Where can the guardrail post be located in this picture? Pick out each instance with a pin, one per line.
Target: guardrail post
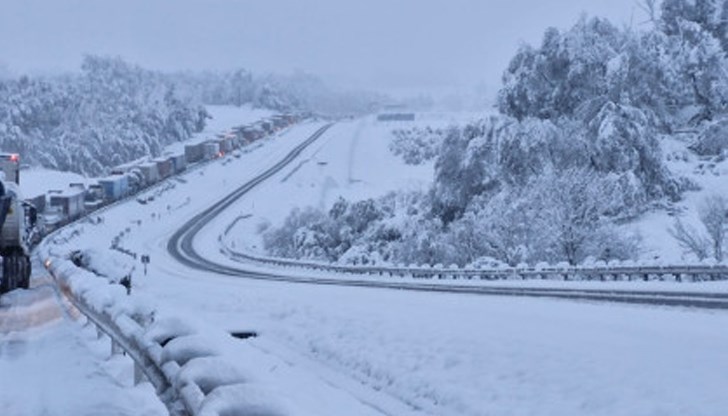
(99, 332)
(115, 348)
(138, 374)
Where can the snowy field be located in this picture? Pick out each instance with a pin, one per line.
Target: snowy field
(328, 350)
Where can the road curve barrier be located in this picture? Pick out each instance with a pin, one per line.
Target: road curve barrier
(600, 271)
(193, 369)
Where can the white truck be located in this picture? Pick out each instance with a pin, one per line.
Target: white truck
(17, 223)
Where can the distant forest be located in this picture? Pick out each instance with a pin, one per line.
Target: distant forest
(113, 112)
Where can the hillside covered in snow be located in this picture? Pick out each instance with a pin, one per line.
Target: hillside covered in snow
(592, 127)
(113, 112)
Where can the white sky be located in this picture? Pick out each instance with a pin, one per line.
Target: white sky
(383, 44)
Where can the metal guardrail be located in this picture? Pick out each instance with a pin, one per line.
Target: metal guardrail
(183, 366)
(679, 273)
(122, 341)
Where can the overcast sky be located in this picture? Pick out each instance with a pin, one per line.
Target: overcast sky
(383, 44)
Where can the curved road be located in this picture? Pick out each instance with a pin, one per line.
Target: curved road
(180, 246)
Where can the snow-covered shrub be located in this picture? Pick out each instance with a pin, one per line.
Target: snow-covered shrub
(302, 235)
(416, 145)
(713, 140)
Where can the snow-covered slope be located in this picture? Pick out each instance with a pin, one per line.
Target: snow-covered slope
(712, 177)
(353, 161)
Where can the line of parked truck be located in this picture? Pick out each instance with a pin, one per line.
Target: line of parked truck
(59, 207)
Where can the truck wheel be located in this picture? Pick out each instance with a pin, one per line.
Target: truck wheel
(9, 274)
(4, 283)
(25, 282)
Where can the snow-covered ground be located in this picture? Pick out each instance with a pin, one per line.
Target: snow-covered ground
(658, 243)
(369, 351)
(50, 364)
(352, 161)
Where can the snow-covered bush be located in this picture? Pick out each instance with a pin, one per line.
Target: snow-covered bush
(303, 235)
(416, 145)
(713, 140)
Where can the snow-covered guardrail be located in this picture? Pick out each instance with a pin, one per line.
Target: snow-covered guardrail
(600, 271)
(191, 367)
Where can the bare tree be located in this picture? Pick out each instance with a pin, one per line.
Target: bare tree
(690, 239)
(649, 7)
(713, 214)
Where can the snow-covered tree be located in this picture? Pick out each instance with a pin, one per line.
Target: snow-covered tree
(111, 113)
(713, 139)
(416, 145)
(568, 70)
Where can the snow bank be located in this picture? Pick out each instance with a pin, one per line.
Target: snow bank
(196, 361)
(241, 399)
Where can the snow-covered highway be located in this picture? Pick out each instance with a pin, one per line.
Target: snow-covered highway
(332, 349)
(326, 348)
(237, 210)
